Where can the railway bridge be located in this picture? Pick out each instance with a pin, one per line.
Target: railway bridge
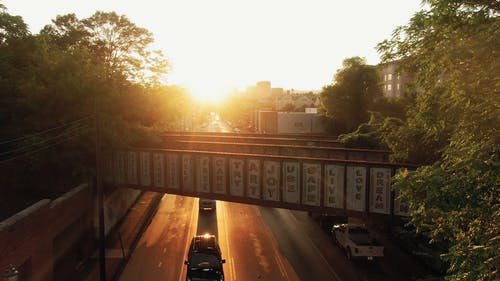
(312, 174)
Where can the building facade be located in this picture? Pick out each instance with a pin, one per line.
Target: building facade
(393, 81)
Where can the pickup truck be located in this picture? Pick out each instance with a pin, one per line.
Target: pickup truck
(356, 241)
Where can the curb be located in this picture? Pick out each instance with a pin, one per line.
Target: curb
(150, 213)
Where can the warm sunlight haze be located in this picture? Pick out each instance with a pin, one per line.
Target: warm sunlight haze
(215, 46)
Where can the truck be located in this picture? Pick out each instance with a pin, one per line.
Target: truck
(356, 241)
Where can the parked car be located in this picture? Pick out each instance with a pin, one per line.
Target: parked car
(326, 222)
(204, 259)
(356, 241)
(207, 204)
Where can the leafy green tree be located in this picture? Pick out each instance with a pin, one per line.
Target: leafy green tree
(354, 93)
(451, 48)
(59, 78)
(124, 48)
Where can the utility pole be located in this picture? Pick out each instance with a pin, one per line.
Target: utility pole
(100, 196)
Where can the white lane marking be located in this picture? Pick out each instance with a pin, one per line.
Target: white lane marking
(281, 266)
(159, 264)
(322, 257)
(274, 244)
(231, 268)
(226, 238)
(164, 250)
(193, 222)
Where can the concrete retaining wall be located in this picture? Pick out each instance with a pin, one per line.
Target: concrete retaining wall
(50, 239)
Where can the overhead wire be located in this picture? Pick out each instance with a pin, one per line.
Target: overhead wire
(38, 150)
(71, 130)
(48, 130)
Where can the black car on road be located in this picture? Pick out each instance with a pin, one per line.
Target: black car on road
(204, 260)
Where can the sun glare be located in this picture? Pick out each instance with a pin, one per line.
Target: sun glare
(208, 92)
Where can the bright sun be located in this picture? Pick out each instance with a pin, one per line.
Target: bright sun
(208, 92)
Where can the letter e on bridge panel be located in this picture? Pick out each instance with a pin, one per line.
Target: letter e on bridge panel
(380, 190)
(253, 179)
(203, 174)
(334, 186)
(236, 184)
(158, 169)
(271, 180)
(187, 173)
(356, 188)
(291, 182)
(219, 175)
(311, 187)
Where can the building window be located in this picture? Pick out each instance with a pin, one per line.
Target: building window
(389, 87)
(399, 76)
(389, 76)
(385, 77)
(397, 86)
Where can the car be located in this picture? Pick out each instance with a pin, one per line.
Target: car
(356, 241)
(204, 259)
(327, 221)
(207, 204)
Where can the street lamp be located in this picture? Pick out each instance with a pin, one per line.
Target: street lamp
(10, 274)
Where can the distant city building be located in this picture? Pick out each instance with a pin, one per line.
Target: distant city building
(277, 92)
(263, 88)
(274, 122)
(297, 102)
(394, 82)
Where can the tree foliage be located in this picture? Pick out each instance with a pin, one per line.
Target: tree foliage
(451, 48)
(53, 83)
(355, 91)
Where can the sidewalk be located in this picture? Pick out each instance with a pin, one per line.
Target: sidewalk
(122, 240)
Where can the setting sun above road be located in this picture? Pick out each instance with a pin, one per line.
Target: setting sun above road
(215, 46)
(207, 91)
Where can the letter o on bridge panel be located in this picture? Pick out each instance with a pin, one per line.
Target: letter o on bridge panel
(253, 179)
(380, 190)
(219, 175)
(311, 187)
(158, 170)
(356, 188)
(236, 176)
(271, 180)
(132, 168)
(334, 186)
(291, 181)
(145, 168)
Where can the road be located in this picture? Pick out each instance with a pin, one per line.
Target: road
(250, 250)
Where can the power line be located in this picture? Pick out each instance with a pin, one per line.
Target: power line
(45, 140)
(48, 130)
(57, 142)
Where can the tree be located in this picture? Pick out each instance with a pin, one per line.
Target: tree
(355, 91)
(451, 48)
(114, 40)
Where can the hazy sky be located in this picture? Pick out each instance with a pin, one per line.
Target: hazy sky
(219, 44)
